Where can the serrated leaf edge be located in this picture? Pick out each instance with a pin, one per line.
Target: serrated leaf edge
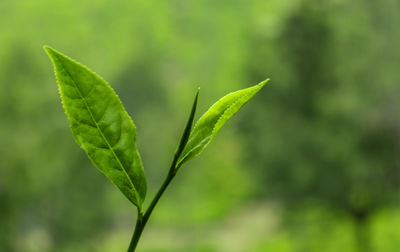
(138, 197)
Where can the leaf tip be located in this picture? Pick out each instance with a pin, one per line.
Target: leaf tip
(53, 53)
(48, 49)
(263, 83)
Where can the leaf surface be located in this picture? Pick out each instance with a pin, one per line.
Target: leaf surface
(210, 122)
(100, 125)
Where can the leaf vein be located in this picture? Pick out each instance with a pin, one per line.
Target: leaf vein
(101, 133)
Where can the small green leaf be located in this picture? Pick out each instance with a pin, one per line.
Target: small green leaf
(100, 125)
(209, 123)
(188, 128)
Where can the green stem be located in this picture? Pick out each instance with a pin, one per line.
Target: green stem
(138, 231)
(142, 219)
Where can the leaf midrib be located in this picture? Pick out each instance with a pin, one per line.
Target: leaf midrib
(102, 135)
(229, 107)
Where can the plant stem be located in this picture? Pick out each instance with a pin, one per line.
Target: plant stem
(142, 219)
(137, 232)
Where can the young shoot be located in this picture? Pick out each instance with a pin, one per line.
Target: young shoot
(105, 131)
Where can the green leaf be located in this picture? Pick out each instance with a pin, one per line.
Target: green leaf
(100, 125)
(209, 123)
(188, 129)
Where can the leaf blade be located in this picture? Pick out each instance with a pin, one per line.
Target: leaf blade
(100, 125)
(188, 127)
(210, 122)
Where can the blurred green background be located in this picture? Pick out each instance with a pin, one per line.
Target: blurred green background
(310, 164)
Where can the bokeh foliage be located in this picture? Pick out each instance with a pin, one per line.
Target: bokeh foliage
(311, 165)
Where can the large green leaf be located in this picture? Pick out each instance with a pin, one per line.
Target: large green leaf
(100, 125)
(209, 123)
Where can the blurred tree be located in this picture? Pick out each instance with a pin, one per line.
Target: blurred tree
(321, 141)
